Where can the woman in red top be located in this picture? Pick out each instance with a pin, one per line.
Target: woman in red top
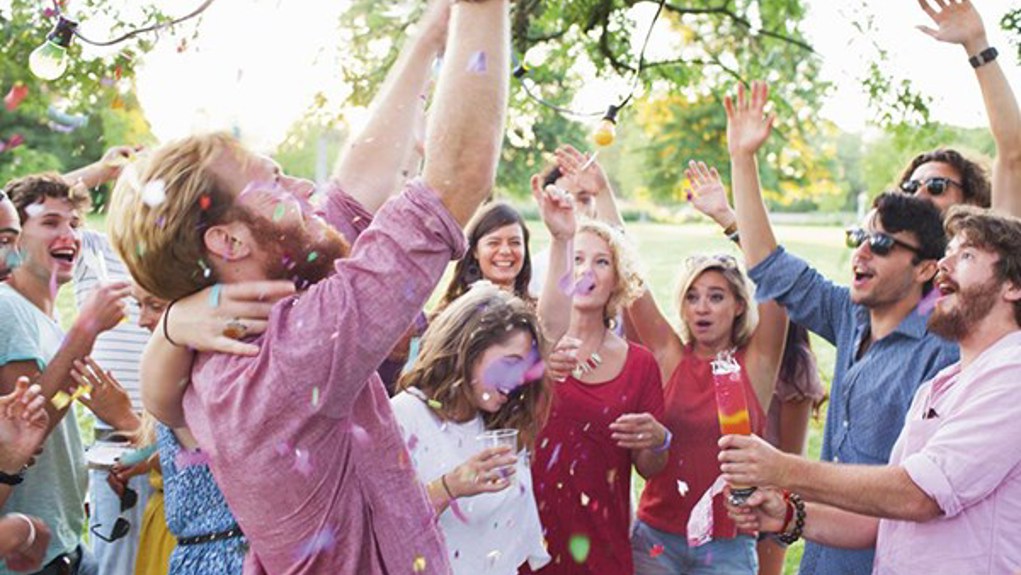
(605, 413)
(718, 313)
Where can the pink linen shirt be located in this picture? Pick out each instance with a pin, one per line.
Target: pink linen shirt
(301, 437)
(961, 444)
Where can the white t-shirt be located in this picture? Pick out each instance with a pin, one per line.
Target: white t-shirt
(487, 533)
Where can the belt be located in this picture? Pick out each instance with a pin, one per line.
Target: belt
(63, 564)
(234, 531)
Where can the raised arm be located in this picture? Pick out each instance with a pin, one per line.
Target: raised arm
(466, 121)
(557, 212)
(371, 167)
(591, 177)
(747, 130)
(765, 349)
(960, 23)
(105, 170)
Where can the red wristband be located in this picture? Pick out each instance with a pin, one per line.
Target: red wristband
(790, 511)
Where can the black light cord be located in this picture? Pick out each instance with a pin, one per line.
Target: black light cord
(133, 33)
(522, 71)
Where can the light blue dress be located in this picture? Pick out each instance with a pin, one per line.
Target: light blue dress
(195, 506)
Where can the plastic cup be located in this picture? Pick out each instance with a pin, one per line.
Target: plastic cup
(496, 438)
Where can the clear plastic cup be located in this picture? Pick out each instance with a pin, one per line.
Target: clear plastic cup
(496, 438)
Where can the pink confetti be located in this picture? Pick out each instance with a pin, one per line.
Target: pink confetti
(303, 462)
(323, 540)
(412, 442)
(188, 458)
(553, 458)
(456, 510)
(477, 63)
(15, 96)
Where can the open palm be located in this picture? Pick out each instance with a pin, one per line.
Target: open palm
(747, 125)
(957, 22)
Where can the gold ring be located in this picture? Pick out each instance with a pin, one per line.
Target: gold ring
(235, 329)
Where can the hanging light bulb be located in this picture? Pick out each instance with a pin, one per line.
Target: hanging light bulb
(49, 61)
(607, 130)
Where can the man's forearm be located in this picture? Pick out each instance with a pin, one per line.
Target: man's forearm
(466, 122)
(838, 528)
(874, 490)
(57, 375)
(165, 371)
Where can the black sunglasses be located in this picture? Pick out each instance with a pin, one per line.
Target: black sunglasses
(121, 527)
(879, 243)
(936, 186)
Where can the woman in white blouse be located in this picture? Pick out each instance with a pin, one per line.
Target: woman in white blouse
(480, 368)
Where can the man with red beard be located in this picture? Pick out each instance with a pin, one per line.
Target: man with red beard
(300, 436)
(950, 499)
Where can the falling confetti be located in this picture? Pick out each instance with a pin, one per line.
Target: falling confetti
(279, 212)
(312, 256)
(154, 193)
(434, 404)
(656, 550)
(579, 546)
(418, 565)
(682, 487)
(455, 508)
(477, 63)
(315, 396)
(584, 500)
(323, 540)
(191, 458)
(302, 462)
(553, 458)
(13, 99)
(204, 202)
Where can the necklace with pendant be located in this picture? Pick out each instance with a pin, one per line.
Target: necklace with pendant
(591, 363)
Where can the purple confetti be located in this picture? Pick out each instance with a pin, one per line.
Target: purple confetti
(477, 63)
(456, 510)
(584, 284)
(412, 442)
(553, 458)
(928, 302)
(323, 540)
(507, 374)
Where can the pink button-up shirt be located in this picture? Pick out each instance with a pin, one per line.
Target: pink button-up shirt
(961, 444)
(301, 437)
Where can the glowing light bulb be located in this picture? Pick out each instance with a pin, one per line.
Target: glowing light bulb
(49, 61)
(606, 133)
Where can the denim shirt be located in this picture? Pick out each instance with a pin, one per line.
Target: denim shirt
(869, 396)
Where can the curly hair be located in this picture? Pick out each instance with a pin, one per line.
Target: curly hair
(974, 181)
(467, 271)
(452, 347)
(29, 190)
(997, 233)
(630, 284)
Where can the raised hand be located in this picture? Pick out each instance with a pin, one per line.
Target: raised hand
(487, 471)
(638, 431)
(23, 425)
(104, 308)
(587, 173)
(747, 125)
(957, 22)
(106, 397)
(556, 208)
(208, 320)
(707, 193)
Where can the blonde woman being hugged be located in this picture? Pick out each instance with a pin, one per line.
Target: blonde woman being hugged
(479, 375)
(604, 417)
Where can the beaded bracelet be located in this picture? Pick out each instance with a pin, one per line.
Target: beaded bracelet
(789, 537)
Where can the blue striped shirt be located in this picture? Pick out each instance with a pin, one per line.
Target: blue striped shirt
(869, 396)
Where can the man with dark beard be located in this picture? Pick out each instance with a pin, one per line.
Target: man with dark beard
(300, 436)
(950, 499)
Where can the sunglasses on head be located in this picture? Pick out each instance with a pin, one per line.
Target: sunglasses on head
(121, 527)
(723, 260)
(879, 243)
(936, 186)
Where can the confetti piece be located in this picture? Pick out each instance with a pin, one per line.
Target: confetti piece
(279, 212)
(302, 462)
(323, 540)
(13, 99)
(493, 557)
(477, 63)
(315, 396)
(191, 458)
(455, 508)
(412, 442)
(154, 193)
(682, 487)
(656, 550)
(434, 404)
(928, 302)
(204, 202)
(60, 400)
(584, 500)
(63, 118)
(312, 256)
(418, 565)
(553, 458)
(579, 546)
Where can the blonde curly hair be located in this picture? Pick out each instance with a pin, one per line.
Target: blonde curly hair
(630, 284)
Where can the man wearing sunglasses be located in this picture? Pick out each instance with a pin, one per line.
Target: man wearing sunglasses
(884, 351)
(944, 176)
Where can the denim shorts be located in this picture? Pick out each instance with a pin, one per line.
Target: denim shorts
(659, 553)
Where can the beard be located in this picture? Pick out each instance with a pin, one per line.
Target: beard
(298, 253)
(973, 305)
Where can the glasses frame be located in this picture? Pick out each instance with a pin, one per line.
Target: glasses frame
(880, 243)
(941, 185)
(122, 526)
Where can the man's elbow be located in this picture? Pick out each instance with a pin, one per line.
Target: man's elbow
(920, 508)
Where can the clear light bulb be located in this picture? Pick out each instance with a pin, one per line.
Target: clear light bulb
(48, 61)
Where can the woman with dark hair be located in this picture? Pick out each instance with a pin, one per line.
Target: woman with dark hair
(497, 252)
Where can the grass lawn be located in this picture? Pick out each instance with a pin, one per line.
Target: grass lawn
(662, 249)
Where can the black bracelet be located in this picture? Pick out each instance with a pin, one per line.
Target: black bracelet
(793, 535)
(166, 320)
(443, 480)
(983, 57)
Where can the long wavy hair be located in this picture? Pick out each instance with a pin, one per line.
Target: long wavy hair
(454, 343)
(468, 271)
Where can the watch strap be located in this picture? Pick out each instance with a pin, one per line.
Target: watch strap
(16, 479)
(983, 57)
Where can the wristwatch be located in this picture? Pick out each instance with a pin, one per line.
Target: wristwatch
(16, 479)
(983, 57)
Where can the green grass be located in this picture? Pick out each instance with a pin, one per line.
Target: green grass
(662, 248)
